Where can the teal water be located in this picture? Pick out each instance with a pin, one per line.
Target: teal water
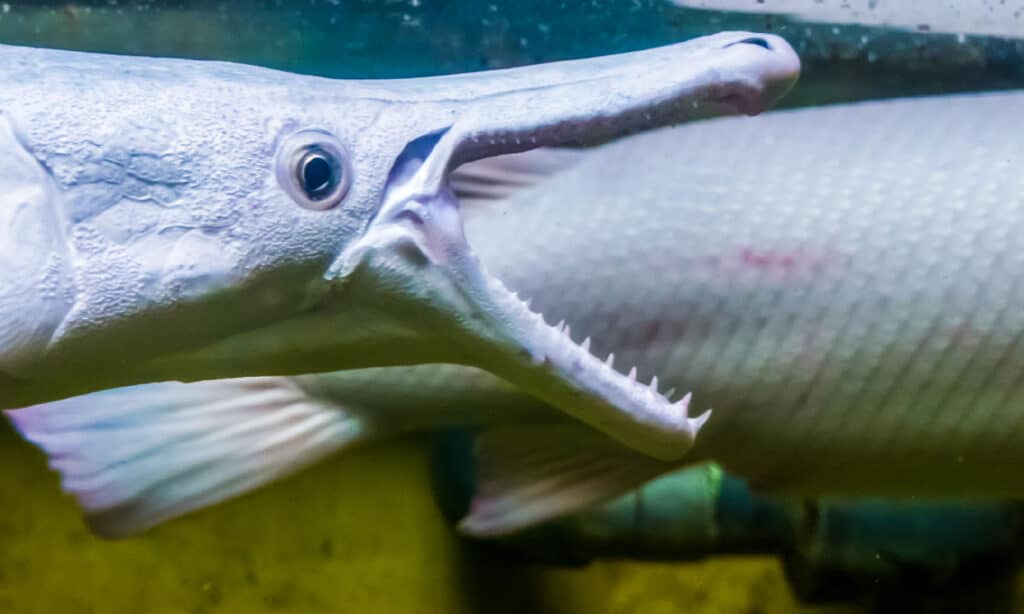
(392, 38)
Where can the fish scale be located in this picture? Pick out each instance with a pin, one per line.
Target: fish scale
(831, 322)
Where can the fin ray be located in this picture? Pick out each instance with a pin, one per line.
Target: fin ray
(529, 474)
(135, 457)
(498, 177)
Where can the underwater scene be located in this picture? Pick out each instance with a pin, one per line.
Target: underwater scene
(453, 306)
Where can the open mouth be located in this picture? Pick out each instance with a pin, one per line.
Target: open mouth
(415, 259)
(425, 275)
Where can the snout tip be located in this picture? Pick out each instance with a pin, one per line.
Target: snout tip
(773, 64)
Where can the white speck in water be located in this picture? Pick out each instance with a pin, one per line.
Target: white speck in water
(5, 7)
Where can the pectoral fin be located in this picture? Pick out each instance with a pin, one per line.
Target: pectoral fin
(135, 457)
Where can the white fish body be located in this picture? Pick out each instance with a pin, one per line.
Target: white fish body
(976, 17)
(839, 284)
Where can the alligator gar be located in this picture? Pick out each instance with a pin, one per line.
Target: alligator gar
(179, 220)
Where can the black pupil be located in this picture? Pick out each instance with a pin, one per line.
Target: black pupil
(317, 174)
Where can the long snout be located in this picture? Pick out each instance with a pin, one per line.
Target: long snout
(589, 101)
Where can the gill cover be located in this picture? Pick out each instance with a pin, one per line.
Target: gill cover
(35, 278)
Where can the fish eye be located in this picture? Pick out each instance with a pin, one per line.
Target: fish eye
(313, 168)
(317, 173)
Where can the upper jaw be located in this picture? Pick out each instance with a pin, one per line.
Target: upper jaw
(412, 265)
(590, 101)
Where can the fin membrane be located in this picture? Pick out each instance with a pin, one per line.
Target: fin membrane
(498, 177)
(134, 457)
(531, 474)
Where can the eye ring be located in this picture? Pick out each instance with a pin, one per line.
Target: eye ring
(314, 169)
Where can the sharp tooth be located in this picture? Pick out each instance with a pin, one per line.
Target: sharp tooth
(654, 384)
(610, 361)
(671, 393)
(684, 403)
(560, 325)
(632, 375)
(529, 304)
(568, 332)
(586, 345)
(698, 422)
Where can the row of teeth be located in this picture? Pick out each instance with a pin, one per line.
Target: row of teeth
(680, 407)
(609, 362)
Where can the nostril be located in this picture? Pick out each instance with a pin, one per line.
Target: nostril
(753, 40)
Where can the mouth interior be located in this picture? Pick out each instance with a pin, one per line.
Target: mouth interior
(545, 359)
(419, 259)
(500, 332)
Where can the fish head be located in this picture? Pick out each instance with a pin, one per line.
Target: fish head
(266, 223)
